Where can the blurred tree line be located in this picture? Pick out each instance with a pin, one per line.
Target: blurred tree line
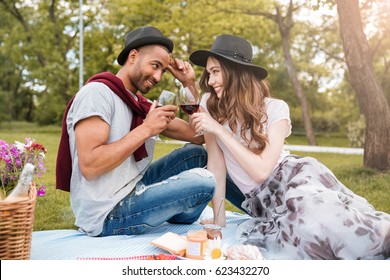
(298, 42)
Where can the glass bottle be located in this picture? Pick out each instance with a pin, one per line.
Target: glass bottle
(22, 187)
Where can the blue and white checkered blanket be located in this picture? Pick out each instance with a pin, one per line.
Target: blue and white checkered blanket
(73, 245)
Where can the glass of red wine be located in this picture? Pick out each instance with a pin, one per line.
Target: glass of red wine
(188, 102)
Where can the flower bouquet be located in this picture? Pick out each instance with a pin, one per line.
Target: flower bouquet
(13, 158)
(17, 216)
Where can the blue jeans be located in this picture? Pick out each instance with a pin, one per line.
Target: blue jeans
(176, 188)
(234, 195)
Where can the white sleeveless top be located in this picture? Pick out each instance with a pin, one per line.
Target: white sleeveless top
(276, 110)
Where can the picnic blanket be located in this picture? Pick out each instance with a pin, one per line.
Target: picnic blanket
(71, 244)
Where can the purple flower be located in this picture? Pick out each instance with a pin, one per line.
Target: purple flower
(13, 157)
(41, 191)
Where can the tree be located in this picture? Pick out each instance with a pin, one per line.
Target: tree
(371, 98)
(11, 83)
(40, 39)
(283, 18)
(285, 23)
(376, 15)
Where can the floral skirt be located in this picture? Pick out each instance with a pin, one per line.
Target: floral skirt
(304, 212)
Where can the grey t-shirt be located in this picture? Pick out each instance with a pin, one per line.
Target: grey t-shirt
(91, 201)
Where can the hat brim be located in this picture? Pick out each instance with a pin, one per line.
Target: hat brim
(150, 40)
(200, 58)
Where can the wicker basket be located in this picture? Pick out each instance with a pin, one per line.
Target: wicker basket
(16, 225)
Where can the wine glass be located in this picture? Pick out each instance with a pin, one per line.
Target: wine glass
(166, 98)
(189, 103)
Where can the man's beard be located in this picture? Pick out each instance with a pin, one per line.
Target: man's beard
(139, 80)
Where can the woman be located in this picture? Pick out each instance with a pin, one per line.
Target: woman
(300, 209)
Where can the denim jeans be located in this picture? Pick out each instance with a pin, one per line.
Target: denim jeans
(233, 194)
(176, 188)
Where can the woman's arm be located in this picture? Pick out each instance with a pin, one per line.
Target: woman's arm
(216, 165)
(258, 167)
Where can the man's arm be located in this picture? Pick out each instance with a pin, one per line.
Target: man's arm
(181, 130)
(97, 157)
(183, 71)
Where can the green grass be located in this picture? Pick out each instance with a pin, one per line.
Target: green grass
(53, 211)
(334, 140)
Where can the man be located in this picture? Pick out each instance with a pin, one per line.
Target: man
(110, 129)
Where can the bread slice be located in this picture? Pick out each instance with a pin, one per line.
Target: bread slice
(171, 242)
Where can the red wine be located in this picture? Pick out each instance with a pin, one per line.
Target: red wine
(190, 108)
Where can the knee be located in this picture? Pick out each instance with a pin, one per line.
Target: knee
(206, 179)
(195, 149)
(203, 173)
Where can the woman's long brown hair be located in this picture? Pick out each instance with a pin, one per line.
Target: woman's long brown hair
(242, 101)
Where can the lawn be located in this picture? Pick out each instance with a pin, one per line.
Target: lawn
(53, 211)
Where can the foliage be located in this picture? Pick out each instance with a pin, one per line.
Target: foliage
(39, 50)
(40, 75)
(377, 14)
(13, 158)
(356, 131)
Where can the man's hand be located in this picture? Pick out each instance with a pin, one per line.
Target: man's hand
(183, 71)
(158, 118)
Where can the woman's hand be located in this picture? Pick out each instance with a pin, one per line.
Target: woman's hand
(203, 122)
(207, 221)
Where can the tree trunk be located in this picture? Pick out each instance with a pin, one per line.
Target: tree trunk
(292, 73)
(371, 98)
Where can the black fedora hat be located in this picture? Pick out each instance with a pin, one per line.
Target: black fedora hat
(232, 48)
(146, 35)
